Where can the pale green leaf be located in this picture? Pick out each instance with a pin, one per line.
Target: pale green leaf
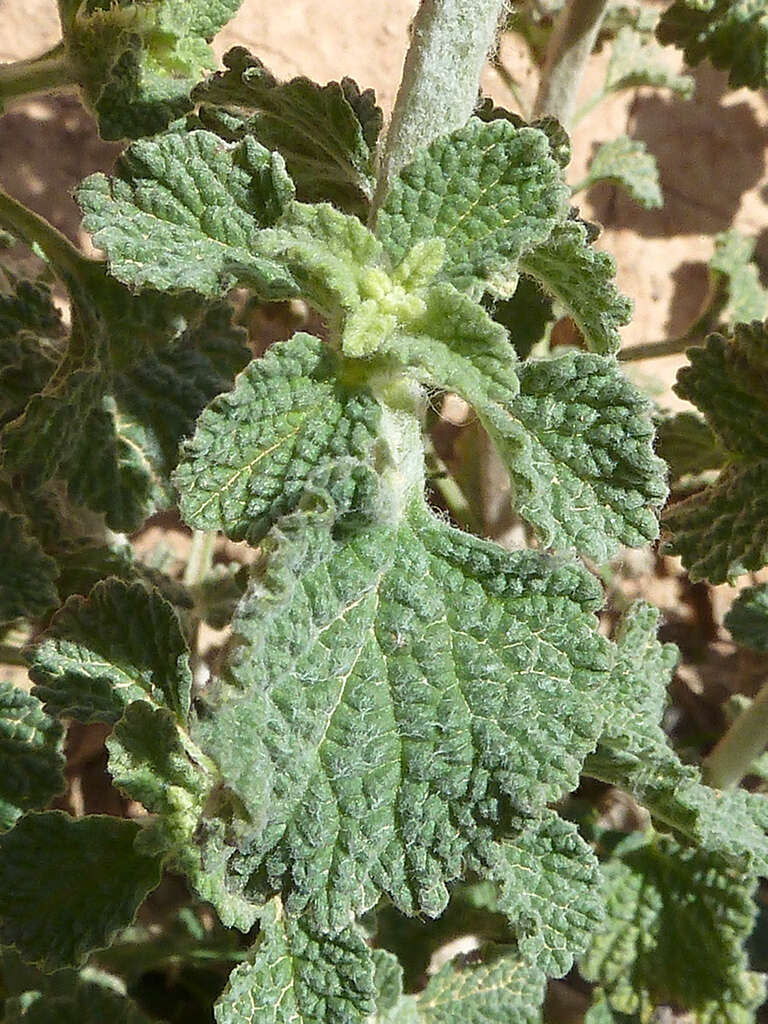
(722, 531)
(732, 34)
(138, 61)
(186, 211)
(289, 417)
(489, 191)
(574, 434)
(581, 279)
(121, 643)
(68, 885)
(634, 754)
(626, 162)
(747, 618)
(502, 988)
(687, 445)
(28, 580)
(296, 976)
(31, 763)
(326, 134)
(636, 61)
(675, 932)
(394, 690)
(732, 262)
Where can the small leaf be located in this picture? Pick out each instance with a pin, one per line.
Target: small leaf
(296, 976)
(747, 618)
(732, 34)
(290, 416)
(28, 581)
(687, 445)
(489, 191)
(670, 908)
(186, 211)
(626, 162)
(392, 688)
(326, 134)
(732, 262)
(581, 279)
(121, 643)
(636, 61)
(31, 763)
(722, 531)
(68, 885)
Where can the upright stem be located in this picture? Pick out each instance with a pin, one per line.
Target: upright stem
(34, 230)
(50, 71)
(441, 75)
(572, 42)
(746, 739)
(200, 557)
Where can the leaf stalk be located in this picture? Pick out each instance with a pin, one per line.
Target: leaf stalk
(47, 73)
(34, 230)
(571, 44)
(727, 764)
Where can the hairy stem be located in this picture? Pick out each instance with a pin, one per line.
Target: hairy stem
(34, 230)
(451, 493)
(653, 349)
(46, 73)
(572, 42)
(441, 74)
(200, 557)
(747, 738)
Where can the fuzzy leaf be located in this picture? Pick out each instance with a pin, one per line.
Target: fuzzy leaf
(636, 61)
(502, 988)
(581, 279)
(574, 433)
(186, 211)
(28, 581)
(732, 262)
(489, 191)
(31, 763)
(137, 62)
(326, 134)
(626, 162)
(289, 417)
(68, 885)
(669, 908)
(394, 690)
(149, 763)
(732, 34)
(294, 976)
(634, 754)
(687, 445)
(747, 618)
(28, 307)
(722, 531)
(121, 643)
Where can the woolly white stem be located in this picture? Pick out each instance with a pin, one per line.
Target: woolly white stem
(572, 42)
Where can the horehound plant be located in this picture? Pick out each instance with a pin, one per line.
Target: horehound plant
(383, 761)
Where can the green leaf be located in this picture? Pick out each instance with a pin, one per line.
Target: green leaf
(27, 307)
(290, 416)
(395, 689)
(89, 996)
(548, 887)
(151, 761)
(137, 62)
(295, 976)
(636, 61)
(503, 988)
(747, 618)
(732, 263)
(634, 754)
(574, 434)
(326, 134)
(581, 280)
(732, 34)
(687, 445)
(489, 191)
(68, 885)
(31, 763)
(121, 643)
(668, 909)
(626, 162)
(722, 531)
(186, 211)
(28, 581)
